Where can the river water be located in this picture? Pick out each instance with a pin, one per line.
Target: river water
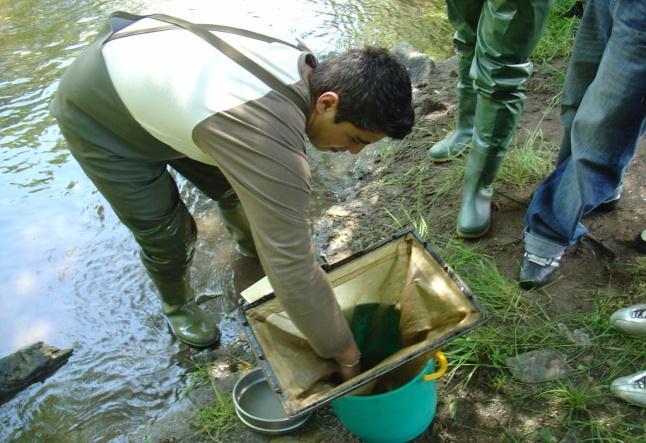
(69, 272)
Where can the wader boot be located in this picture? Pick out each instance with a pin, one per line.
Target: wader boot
(504, 34)
(495, 123)
(236, 222)
(457, 141)
(475, 211)
(188, 322)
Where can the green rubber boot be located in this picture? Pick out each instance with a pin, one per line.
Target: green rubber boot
(475, 211)
(188, 322)
(495, 123)
(236, 222)
(457, 141)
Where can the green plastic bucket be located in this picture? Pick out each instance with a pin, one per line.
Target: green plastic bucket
(396, 416)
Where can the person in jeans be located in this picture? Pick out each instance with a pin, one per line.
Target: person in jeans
(230, 110)
(603, 108)
(494, 39)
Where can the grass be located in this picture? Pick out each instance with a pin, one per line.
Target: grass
(556, 41)
(529, 158)
(610, 429)
(216, 420)
(635, 271)
(575, 399)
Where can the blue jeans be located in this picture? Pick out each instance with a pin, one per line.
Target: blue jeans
(604, 114)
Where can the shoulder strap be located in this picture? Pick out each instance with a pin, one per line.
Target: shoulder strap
(203, 31)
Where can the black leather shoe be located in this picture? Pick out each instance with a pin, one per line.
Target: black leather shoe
(608, 205)
(536, 272)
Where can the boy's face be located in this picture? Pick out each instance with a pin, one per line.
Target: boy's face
(326, 135)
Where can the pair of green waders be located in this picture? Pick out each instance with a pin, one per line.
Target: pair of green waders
(494, 39)
(130, 168)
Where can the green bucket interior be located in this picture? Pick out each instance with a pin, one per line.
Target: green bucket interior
(375, 327)
(392, 417)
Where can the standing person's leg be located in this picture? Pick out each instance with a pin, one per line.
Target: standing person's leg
(604, 136)
(210, 180)
(591, 39)
(507, 33)
(464, 16)
(145, 198)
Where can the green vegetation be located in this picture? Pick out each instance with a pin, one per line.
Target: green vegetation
(528, 161)
(530, 156)
(556, 42)
(219, 418)
(636, 270)
(216, 419)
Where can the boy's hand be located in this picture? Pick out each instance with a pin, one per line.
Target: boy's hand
(349, 362)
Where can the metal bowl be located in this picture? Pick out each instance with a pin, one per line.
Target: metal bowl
(259, 408)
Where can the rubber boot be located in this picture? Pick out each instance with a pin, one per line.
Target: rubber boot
(457, 141)
(474, 218)
(188, 322)
(236, 222)
(495, 123)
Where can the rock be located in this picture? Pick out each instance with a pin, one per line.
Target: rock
(29, 365)
(579, 337)
(418, 64)
(538, 366)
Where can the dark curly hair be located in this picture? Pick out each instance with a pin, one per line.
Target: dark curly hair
(374, 90)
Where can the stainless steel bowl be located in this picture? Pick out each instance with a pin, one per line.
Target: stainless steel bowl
(259, 408)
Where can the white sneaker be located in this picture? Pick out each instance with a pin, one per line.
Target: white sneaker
(631, 320)
(631, 388)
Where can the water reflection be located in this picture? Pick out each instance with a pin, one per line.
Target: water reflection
(69, 271)
(422, 23)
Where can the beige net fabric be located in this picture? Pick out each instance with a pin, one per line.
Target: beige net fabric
(402, 273)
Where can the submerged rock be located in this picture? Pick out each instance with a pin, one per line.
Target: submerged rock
(29, 365)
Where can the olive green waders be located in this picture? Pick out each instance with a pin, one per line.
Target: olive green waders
(499, 35)
(454, 144)
(130, 169)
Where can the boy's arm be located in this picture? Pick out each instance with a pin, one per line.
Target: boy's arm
(259, 146)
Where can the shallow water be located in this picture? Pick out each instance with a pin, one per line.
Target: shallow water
(69, 272)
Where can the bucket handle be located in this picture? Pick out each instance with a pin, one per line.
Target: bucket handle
(444, 364)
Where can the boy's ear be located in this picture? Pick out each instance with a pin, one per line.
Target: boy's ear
(327, 100)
